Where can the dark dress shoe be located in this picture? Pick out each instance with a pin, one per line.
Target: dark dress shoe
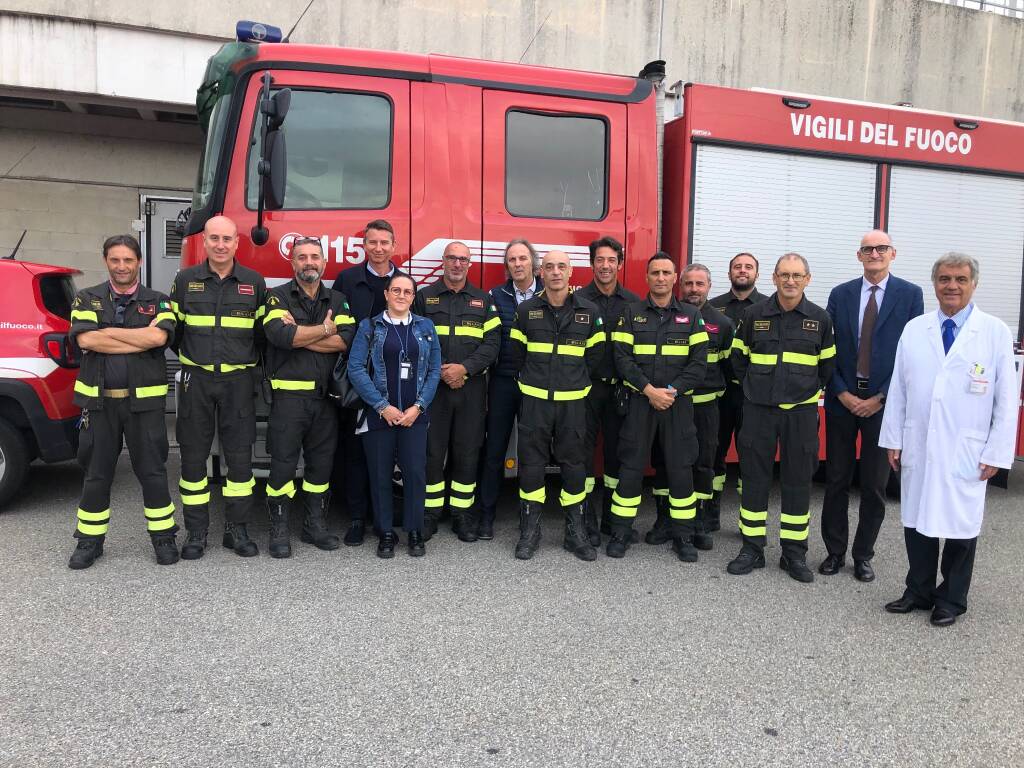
(943, 617)
(862, 570)
(905, 605)
(386, 545)
(416, 547)
(830, 565)
(485, 530)
(797, 569)
(355, 534)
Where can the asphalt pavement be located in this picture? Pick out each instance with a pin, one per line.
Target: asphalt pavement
(468, 657)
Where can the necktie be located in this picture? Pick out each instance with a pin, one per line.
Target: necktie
(867, 328)
(947, 334)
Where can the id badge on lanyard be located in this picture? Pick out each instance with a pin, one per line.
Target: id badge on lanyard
(404, 368)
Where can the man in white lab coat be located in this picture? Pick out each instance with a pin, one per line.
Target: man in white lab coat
(950, 422)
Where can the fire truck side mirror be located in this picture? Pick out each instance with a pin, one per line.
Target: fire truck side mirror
(273, 163)
(278, 108)
(274, 170)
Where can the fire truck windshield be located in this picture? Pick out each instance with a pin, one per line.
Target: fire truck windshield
(211, 153)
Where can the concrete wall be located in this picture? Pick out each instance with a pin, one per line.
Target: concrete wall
(934, 55)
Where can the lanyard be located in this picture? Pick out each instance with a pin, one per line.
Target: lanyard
(404, 344)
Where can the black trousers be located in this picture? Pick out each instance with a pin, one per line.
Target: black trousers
(730, 421)
(841, 429)
(226, 405)
(674, 431)
(102, 434)
(503, 400)
(552, 430)
(956, 566)
(603, 419)
(296, 423)
(409, 446)
(794, 432)
(456, 431)
(705, 419)
(351, 476)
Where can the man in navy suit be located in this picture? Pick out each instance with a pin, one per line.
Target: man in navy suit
(868, 315)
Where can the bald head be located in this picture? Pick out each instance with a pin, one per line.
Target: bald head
(220, 240)
(556, 270)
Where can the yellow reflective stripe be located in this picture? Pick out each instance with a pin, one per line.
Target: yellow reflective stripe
(738, 345)
(675, 350)
(526, 389)
(747, 514)
(465, 330)
(288, 489)
(827, 352)
(785, 533)
(714, 357)
(186, 361)
(589, 485)
(622, 337)
(718, 484)
(295, 386)
(206, 321)
(597, 338)
(753, 531)
(707, 397)
(540, 346)
(84, 314)
(190, 485)
(84, 389)
(158, 512)
(274, 314)
(158, 390)
(344, 320)
(538, 495)
(570, 394)
(434, 502)
(261, 311)
(309, 487)
(611, 482)
(93, 530)
(517, 335)
(175, 308)
(442, 330)
(799, 359)
(758, 358)
(571, 351)
(94, 517)
(435, 487)
(623, 511)
(704, 496)
(628, 501)
(154, 526)
(490, 325)
(814, 399)
(460, 503)
(195, 498)
(231, 488)
(660, 491)
(237, 322)
(165, 316)
(700, 337)
(796, 519)
(676, 513)
(645, 349)
(461, 487)
(688, 501)
(568, 499)
(228, 368)
(557, 395)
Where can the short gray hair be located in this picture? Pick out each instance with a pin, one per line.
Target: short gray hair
(534, 256)
(697, 267)
(956, 259)
(807, 267)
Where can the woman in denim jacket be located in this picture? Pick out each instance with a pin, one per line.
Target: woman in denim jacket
(394, 365)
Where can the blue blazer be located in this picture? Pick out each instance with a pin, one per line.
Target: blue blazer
(903, 301)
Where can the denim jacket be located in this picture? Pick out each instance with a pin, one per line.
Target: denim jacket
(368, 345)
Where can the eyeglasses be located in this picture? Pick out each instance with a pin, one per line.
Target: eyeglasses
(785, 277)
(865, 250)
(305, 240)
(458, 259)
(401, 291)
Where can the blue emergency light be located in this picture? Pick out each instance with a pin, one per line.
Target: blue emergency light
(255, 32)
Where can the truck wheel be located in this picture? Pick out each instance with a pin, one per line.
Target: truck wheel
(13, 461)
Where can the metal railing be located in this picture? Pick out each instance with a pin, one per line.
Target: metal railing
(1011, 8)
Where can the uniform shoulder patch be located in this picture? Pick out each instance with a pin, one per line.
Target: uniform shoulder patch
(476, 303)
(535, 314)
(197, 286)
(273, 300)
(811, 325)
(246, 290)
(582, 317)
(682, 319)
(77, 302)
(432, 300)
(762, 325)
(711, 328)
(147, 309)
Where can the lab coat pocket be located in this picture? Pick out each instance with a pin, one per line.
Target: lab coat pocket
(969, 446)
(911, 449)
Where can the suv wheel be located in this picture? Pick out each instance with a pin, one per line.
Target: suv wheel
(13, 460)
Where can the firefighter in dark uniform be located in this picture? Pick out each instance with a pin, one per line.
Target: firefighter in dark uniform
(606, 258)
(696, 282)
(743, 271)
(661, 354)
(783, 355)
(555, 344)
(219, 304)
(469, 329)
(122, 328)
(307, 325)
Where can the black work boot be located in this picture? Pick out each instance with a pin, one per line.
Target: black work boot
(468, 525)
(356, 533)
(701, 538)
(592, 517)
(622, 537)
(194, 546)
(796, 566)
(529, 529)
(661, 531)
(166, 548)
(430, 521)
(745, 562)
(237, 539)
(713, 512)
(86, 553)
(314, 525)
(576, 539)
(682, 541)
(280, 544)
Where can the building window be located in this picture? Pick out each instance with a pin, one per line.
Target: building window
(339, 152)
(556, 165)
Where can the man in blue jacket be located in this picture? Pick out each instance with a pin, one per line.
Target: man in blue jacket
(868, 315)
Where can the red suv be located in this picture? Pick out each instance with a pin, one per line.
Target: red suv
(38, 369)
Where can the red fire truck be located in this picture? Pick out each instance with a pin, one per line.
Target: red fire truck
(449, 148)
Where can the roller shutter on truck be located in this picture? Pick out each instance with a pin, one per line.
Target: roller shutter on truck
(935, 211)
(771, 203)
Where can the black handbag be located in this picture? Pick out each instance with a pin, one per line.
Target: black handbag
(340, 388)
